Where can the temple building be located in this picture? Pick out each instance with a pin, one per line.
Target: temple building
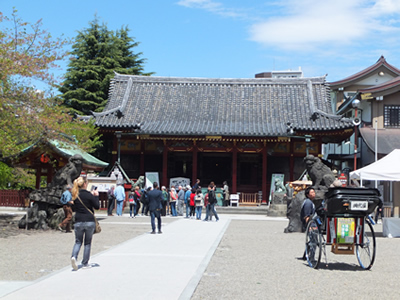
(236, 130)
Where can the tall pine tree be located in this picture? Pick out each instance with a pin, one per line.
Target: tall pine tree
(96, 54)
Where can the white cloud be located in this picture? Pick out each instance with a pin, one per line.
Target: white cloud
(308, 24)
(211, 6)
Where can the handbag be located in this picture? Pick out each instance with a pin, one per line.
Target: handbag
(97, 228)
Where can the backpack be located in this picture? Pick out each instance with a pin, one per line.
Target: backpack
(143, 198)
(63, 199)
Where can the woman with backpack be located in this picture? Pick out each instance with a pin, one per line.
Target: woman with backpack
(199, 202)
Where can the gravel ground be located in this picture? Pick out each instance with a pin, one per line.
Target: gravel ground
(255, 260)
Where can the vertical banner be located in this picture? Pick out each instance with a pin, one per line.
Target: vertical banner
(150, 178)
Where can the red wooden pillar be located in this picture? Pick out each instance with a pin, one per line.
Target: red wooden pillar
(264, 175)
(142, 158)
(234, 169)
(194, 163)
(165, 166)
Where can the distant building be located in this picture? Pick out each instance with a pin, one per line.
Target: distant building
(281, 74)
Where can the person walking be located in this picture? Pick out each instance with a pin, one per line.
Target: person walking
(119, 194)
(173, 197)
(155, 205)
(111, 200)
(199, 202)
(66, 201)
(181, 201)
(85, 203)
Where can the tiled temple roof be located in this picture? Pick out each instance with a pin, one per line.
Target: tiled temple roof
(227, 107)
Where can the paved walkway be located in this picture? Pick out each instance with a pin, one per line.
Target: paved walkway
(161, 266)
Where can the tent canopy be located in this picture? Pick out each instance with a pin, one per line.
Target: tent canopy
(387, 168)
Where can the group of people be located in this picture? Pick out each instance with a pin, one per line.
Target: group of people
(181, 201)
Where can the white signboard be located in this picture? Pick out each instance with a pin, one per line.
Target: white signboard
(103, 184)
(150, 178)
(177, 181)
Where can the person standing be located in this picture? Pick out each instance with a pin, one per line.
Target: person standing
(165, 201)
(119, 194)
(197, 184)
(212, 199)
(173, 197)
(181, 201)
(206, 205)
(131, 198)
(66, 201)
(199, 202)
(85, 203)
(155, 205)
(187, 199)
(192, 203)
(308, 207)
(379, 210)
(136, 197)
(225, 192)
(111, 200)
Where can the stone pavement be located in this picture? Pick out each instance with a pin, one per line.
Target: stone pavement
(160, 266)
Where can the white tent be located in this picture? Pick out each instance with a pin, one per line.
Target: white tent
(387, 168)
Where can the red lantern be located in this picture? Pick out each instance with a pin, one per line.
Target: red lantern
(44, 158)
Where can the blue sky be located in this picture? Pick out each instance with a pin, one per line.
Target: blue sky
(236, 39)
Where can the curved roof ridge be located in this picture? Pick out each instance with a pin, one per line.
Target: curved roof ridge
(381, 62)
(383, 86)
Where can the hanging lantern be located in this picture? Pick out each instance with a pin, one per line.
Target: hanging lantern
(44, 158)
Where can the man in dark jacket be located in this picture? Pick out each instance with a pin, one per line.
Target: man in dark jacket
(155, 198)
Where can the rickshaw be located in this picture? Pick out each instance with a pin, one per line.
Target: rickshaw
(342, 220)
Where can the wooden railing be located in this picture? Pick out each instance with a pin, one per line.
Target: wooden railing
(249, 199)
(14, 198)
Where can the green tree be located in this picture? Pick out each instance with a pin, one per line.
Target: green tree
(27, 53)
(96, 54)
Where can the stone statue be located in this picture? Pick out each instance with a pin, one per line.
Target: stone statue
(322, 178)
(139, 182)
(318, 172)
(67, 174)
(47, 200)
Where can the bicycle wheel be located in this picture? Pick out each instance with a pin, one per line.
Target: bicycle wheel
(313, 244)
(366, 251)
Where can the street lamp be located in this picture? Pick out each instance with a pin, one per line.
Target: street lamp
(356, 122)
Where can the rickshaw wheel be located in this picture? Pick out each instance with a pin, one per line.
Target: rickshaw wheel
(313, 244)
(366, 251)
